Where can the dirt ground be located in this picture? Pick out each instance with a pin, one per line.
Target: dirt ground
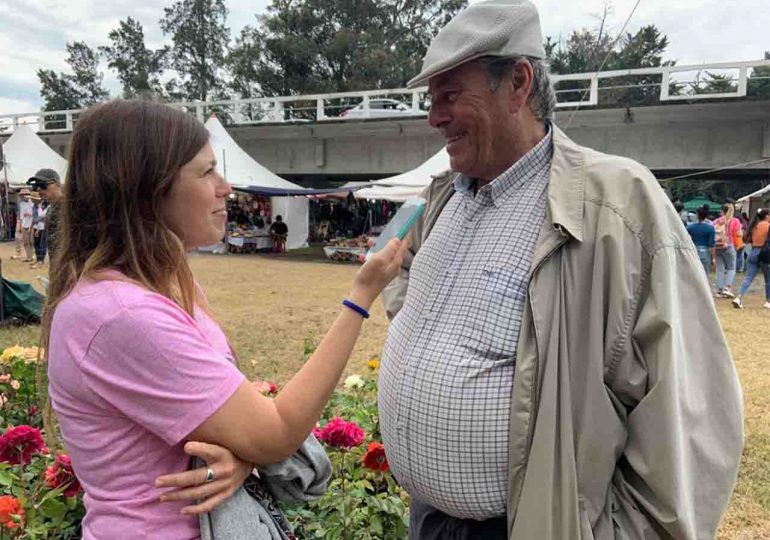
(275, 308)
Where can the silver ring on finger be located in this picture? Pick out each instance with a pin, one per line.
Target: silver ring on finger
(209, 475)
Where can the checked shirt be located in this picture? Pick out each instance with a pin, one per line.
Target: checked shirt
(448, 363)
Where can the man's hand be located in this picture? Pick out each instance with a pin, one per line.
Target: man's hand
(229, 473)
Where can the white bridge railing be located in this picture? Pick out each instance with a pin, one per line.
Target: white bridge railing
(652, 85)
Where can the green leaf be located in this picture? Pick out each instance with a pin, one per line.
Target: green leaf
(6, 478)
(54, 509)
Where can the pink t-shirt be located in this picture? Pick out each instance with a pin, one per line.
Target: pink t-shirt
(131, 375)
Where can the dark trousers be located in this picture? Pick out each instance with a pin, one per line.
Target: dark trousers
(428, 523)
(41, 245)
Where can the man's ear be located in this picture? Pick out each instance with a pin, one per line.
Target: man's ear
(521, 78)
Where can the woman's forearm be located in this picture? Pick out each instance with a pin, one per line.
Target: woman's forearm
(303, 399)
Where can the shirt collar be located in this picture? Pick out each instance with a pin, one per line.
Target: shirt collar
(536, 160)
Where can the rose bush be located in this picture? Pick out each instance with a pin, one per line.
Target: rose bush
(363, 501)
(40, 497)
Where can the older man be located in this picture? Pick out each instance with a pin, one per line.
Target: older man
(543, 376)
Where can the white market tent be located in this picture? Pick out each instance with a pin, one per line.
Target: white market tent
(754, 201)
(25, 154)
(409, 184)
(758, 193)
(243, 171)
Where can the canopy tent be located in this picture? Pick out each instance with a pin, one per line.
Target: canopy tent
(409, 184)
(308, 192)
(389, 193)
(422, 175)
(754, 201)
(763, 193)
(25, 154)
(694, 204)
(246, 174)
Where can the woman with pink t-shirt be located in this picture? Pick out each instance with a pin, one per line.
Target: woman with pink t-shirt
(137, 367)
(727, 227)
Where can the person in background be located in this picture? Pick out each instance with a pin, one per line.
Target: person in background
(279, 232)
(26, 218)
(47, 183)
(683, 214)
(702, 235)
(742, 253)
(41, 239)
(17, 235)
(726, 227)
(757, 234)
(740, 246)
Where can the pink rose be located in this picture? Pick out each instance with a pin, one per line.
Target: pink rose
(341, 434)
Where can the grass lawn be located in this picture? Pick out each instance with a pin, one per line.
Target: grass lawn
(274, 308)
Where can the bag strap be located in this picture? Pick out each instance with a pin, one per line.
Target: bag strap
(256, 489)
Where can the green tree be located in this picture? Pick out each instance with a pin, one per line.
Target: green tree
(58, 91)
(84, 62)
(200, 44)
(715, 83)
(76, 90)
(759, 81)
(138, 68)
(304, 46)
(588, 50)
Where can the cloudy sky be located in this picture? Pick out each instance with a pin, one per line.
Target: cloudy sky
(33, 33)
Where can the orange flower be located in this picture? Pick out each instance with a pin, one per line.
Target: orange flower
(10, 506)
(375, 458)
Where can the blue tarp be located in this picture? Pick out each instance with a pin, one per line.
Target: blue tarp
(277, 192)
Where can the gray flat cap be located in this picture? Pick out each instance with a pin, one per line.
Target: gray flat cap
(501, 28)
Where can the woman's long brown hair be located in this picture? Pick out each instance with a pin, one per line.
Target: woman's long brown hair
(124, 156)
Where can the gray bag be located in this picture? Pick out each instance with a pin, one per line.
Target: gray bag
(251, 513)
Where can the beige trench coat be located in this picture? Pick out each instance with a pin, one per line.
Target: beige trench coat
(626, 417)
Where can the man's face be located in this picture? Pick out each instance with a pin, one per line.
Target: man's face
(50, 192)
(472, 119)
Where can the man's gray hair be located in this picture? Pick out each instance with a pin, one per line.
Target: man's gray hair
(542, 98)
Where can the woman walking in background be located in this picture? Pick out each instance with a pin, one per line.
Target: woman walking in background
(726, 227)
(757, 235)
(740, 243)
(702, 235)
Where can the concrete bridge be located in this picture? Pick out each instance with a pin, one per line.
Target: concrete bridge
(682, 130)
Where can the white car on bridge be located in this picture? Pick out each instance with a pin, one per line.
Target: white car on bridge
(381, 108)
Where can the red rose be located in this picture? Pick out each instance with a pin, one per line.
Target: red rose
(61, 474)
(10, 506)
(375, 458)
(341, 434)
(19, 444)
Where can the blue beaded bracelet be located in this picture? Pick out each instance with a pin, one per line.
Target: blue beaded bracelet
(355, 307)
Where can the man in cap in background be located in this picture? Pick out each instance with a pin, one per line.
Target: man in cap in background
(543, 377)
(48, 183)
